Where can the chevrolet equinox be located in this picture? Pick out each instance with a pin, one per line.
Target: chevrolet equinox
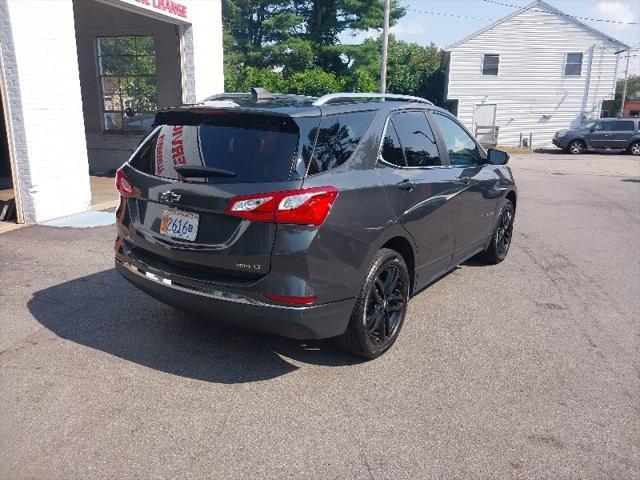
(308, 218)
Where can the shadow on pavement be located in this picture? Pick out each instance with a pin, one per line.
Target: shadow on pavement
(103, 311)
(631, 180)
(558, 151)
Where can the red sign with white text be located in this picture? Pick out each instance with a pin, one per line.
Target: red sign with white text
(168, 6)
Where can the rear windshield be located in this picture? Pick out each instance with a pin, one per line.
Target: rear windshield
(257, 148)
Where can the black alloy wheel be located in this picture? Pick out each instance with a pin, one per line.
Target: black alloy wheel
(380, 308)
(504, 232)
(385, 305)
(502, 235)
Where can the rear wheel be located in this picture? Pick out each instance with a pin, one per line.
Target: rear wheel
(501, 238)
(576, 147)
(634, 148)
(380, 307)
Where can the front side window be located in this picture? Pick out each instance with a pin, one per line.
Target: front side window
(490, 64)
(573, 64)
(127, 70)
(337, 139)
(604, 127)
(416, 138)
(462, 149)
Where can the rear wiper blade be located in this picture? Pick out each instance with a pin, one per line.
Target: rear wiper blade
(200, 171)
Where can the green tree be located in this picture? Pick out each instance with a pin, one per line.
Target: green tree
(296, 35)
(294, 46)
(360, 81)
(314, 82)
(411, 69)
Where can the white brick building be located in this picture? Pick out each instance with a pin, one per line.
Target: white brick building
(79, 81)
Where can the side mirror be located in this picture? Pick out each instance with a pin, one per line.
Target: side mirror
(497, 157)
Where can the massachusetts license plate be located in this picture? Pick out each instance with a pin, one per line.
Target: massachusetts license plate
(178, 224)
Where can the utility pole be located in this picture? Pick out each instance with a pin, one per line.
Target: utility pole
(385, 46)
(624, 89)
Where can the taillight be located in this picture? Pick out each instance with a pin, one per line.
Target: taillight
(124, 185)
(308, 206)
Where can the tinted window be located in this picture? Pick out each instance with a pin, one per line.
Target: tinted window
(573, 64)
(256, 148)
(391, 148)
(461, 147)
(416, 138)
(623, 126)
(490, 64)
(337, 139)
(604, 127)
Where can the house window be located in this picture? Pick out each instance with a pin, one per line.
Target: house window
(573, 64)
(490, 64)
(127, 69)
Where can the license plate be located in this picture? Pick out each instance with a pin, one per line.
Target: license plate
(178, 224)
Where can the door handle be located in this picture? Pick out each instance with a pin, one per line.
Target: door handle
(406, 185)
(463, 181)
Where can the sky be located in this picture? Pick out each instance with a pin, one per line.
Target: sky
(453, 20)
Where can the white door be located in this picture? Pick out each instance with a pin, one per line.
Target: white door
(484, 121)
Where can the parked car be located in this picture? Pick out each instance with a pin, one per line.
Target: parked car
(603, 134)
(308, 218)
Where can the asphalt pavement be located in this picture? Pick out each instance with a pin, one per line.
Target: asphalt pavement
(529, 369)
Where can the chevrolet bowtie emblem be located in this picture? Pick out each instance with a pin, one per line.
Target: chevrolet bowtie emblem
(170, 197)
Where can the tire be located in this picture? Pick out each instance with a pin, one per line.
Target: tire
(634, 148)
(498, 248)
(576, 147)
(380, 308)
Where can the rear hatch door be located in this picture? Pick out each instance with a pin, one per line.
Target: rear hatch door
(186, 172)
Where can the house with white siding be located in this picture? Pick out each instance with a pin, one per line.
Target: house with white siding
(530, 74)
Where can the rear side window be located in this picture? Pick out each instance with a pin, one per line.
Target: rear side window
(623, 126)
(256, 148)
(416, 137)
(337, 138)
(391, 148)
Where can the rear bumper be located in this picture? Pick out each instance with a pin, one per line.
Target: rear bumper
(228, 306)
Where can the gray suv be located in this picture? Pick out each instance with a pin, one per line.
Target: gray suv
(603, 134)
(308, 218)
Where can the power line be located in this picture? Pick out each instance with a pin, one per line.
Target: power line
(617, 22)
(443, 14)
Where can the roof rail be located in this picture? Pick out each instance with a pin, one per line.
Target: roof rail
(331, 97)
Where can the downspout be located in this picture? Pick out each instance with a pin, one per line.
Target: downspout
(587, 86)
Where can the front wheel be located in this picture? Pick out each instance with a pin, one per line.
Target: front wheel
(498, 248)
(380, 307)
(634, 148)
(576, 147)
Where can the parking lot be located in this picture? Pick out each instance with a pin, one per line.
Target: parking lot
(528, 369)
